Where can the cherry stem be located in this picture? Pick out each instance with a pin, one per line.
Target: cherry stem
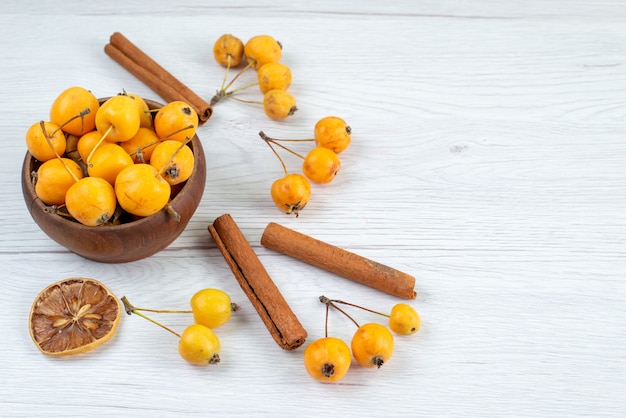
(174, 154)
(233, 306)
(239, 99)
(228, 61)
(237, 76)
(130, 309)
(159, 140)
(218, 96)
(100, 141)
(274, 141)
(360, 307)
(292, 140)
(326, 322)
(49, 141)
(139, 155)
(174, 133)
(56, 211)
(222, 91)
(329, 302)
(172, 213)
(80, 114)
(172, 311)
(237, 90)
(262, 135)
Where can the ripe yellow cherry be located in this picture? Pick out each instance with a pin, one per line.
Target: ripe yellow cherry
(91, 201)
(274, 75)
(107, 161)
(372, 345)
(140, 146)
(174, 160)
(141, 190)
(176, 120)
(145, 116)
(118, 118)
(54, 178)
(87, 142)
(228, 50)
(278, 104)
(261, 49)
(404, 320)
(38, 145)
(211, 307)
(291, 193)
(332, 132)
(327, 359)
(74, 110)
(199, 345)
(321, 165)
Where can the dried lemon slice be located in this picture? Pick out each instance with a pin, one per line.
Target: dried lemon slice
(73, 316)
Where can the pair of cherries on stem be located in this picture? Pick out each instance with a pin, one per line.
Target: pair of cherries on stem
(328, 359)
(198, 343)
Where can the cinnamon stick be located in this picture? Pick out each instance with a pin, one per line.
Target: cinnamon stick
(256, 283)
(339, 261)
(162, 82)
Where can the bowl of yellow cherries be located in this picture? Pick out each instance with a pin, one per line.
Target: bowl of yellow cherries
(113, 179)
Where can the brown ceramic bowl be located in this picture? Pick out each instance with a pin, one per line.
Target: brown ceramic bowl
(134, 240)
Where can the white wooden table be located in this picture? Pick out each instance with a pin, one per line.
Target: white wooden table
(488, 160)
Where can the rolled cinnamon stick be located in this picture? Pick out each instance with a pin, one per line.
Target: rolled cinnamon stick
(161, 81)
(339, 261)
(256, 283)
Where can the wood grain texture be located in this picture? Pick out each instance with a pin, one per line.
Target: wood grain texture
(488, 160)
